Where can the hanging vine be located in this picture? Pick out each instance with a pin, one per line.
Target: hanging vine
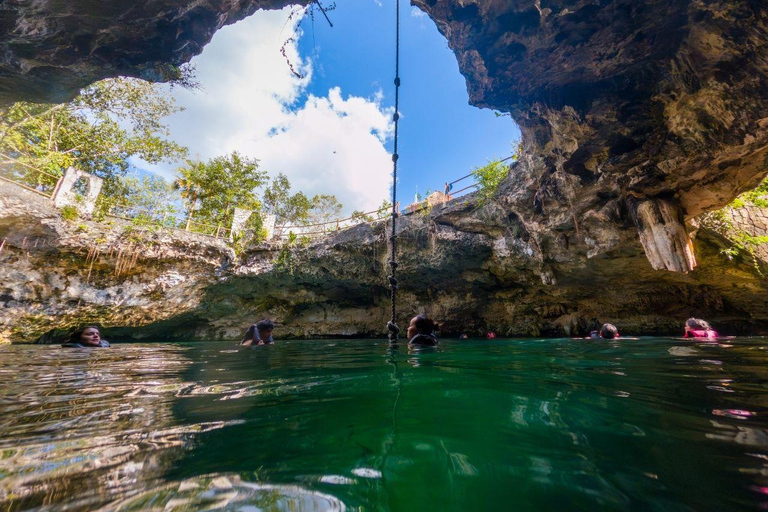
(308, 11)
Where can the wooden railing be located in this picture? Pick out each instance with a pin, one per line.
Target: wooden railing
(30, 178)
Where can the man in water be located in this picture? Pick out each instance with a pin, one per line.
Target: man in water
(259, 334)
(606, 332)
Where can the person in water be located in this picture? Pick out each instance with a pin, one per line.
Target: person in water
(606, 332)
(259, 334)
(698, 328)
(88, 336)
(421, 331)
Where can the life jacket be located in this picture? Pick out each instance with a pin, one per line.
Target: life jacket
(701, 333)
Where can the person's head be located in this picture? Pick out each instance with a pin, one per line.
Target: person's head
(420, 324)
(609, 331)
(88, 335)
(696, 324)
(265, 328)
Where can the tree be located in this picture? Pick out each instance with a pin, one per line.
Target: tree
(190, 185)
(214, 188)
(289, 210)
(149, 198)
(97, 132)
(325, 208)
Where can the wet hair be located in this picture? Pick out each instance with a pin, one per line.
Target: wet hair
(426, 325)
(609, 331)
(265, 325)
(74, 336)
(698, 324)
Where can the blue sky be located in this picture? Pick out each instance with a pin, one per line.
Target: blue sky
(331, 132)
(441, 137)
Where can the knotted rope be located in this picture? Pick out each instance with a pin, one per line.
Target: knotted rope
(392, 327)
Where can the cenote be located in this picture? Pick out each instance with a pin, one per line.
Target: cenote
(527, 424)
(175, 171)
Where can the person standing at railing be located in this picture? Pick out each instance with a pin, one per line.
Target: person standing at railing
(447, 191)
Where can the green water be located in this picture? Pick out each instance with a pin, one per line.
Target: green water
(654, 424)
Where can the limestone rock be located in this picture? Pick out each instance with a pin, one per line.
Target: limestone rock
(49, 49)
(472, 266)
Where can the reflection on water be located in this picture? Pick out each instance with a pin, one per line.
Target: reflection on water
(227, 492)
(654, 424)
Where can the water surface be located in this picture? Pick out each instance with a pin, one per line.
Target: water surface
(653, 424)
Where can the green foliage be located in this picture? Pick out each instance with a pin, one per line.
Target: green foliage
(146, 199)
(214, 188)
(757, 197)
(253, 233)
(69, 213)
(288, 209)
(284, 260)
(97, 132)
(359, 216)
(325, 209)
(489, 177)
(741, 241)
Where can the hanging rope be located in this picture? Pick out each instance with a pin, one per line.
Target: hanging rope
(392, 327)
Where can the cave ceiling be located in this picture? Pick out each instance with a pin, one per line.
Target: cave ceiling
(635, 114)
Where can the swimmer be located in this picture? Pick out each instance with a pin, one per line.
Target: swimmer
(698, 328)
(490, 335)
(606, 332)
(421, 331)
(259, 334)
(88, 336)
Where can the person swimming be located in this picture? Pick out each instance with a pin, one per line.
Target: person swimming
(606, 332)
(259, 334)
(698, 328)
(85, 337)
(421, 331)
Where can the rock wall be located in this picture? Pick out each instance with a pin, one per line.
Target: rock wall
(472, 266)
(637, 116)
(50, 49)
(660, 105)
(621, 103)
(56, 274)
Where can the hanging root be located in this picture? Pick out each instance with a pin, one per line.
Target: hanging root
(93, 254)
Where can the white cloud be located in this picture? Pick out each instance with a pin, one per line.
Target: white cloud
(417, 13)
(334, 145)
(328, 145)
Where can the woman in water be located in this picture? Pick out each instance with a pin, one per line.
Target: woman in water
(88, 336)
(421, 331)
(698, 328)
